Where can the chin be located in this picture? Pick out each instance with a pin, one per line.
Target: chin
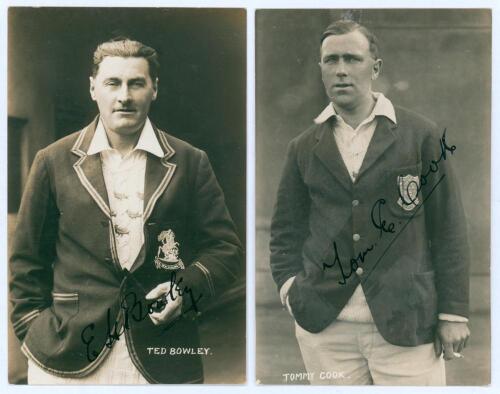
(127, 129)
(342, 101)
(128, 126)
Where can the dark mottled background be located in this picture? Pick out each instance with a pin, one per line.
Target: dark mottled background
(436, 62)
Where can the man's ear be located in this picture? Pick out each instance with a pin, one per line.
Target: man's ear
(91, 88)
(377, 67)
(155, 88)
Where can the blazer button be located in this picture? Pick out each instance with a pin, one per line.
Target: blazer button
(359, 271)
(356, 237)
(355, 203)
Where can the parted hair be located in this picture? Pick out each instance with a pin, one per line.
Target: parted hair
(125, 47)
(344, 26)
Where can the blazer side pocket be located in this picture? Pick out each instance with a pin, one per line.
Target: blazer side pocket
(65, 307)
(310, 310)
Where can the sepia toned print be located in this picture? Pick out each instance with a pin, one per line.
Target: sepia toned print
(376, 234)
(125, 258)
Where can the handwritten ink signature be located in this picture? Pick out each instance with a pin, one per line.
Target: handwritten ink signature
(377, 220)
(353, 262)
(433, 168)
(409, 196)
(133, 309)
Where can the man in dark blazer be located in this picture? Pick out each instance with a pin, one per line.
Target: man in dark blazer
(368, 237)
(123, 236)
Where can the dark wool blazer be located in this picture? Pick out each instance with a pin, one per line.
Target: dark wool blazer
(411, 257)
(71, 298)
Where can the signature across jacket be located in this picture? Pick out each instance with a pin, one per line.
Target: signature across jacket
(67, 286)
(408, 276)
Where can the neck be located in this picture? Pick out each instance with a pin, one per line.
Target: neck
(123, 143)
(353, 116)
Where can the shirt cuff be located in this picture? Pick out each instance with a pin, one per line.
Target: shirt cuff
(450, 317)
(284, 290)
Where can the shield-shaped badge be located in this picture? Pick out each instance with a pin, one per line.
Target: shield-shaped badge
(167, 256)
(408, 187)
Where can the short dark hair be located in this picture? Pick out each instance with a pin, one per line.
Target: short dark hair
(345, 26)
(125, 47)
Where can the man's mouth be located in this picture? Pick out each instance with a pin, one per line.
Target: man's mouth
(124, 110)
(342, 85)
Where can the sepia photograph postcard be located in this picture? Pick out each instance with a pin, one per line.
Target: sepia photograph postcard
(372, 177)
(126, 195)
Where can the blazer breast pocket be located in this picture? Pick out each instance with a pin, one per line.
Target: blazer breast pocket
(404, 198)
(168, 245)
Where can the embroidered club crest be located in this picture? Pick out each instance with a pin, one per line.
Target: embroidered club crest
(408, 187)
(167, 256)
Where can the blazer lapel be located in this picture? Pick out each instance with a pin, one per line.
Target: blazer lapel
(159, 172)
(328, 153)
(89, 170)
(383, 137)
(158, 175)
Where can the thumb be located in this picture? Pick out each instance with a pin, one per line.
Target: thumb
(438, 347)
(158, 291)
(448, 351)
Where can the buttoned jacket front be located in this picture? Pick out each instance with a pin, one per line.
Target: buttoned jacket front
(334, 234)
(71, 298)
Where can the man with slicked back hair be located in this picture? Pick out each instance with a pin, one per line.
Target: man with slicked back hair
(123, 236)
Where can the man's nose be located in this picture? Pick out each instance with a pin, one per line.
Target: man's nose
(341, 68)
(123, 94)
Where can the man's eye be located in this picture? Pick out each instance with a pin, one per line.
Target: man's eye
(111, 83)
(331, 60)
(351, 60)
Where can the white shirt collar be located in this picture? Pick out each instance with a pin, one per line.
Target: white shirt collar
(383, 107)
(147, 141)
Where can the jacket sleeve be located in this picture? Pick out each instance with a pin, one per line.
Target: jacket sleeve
(33, 249)
(289, 225)
(219, 254)
(446, 223)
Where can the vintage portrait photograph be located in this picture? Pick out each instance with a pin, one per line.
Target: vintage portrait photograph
(373, 131)
(126, 195)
